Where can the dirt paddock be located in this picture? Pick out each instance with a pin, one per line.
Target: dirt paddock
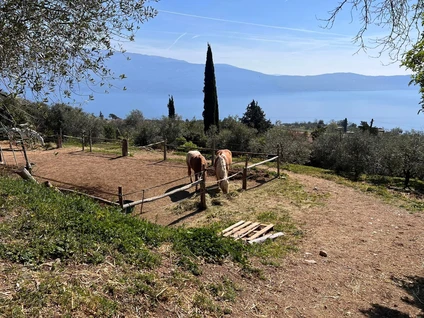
(100, 175)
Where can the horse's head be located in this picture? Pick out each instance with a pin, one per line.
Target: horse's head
(223, 184)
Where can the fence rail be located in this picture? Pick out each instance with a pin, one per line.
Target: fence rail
(183, 188)
(262, 162)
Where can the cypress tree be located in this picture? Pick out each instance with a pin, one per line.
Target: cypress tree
(171, 107)
(210, 101)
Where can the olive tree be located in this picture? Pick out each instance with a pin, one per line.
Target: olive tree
(295, 146)
(403, 155)
(398, 21)
(48, 46)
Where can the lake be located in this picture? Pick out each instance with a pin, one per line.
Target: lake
(389, 109)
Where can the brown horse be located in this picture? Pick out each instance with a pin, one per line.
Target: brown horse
(224, 159)
(195, 161)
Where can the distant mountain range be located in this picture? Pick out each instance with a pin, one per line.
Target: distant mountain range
(159, 75)
(150, 79)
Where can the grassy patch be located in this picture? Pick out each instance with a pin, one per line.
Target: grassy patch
(49, 295)
(225, 290)
(48, 225)
(390, 189)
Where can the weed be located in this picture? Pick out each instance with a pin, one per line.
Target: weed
(223, 291)
(203, 242)
(204, 303)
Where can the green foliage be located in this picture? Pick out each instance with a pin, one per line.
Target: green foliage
(414, 61)
(357, 154)
(210, 108)
(54, 226)
(193, 130)
(295, 146)
(326, 149)
(47, 225)
(255, 117)
(67, 49)
(187, 146)
(319, 131)
(109, 131)
(225, 290)
(148, 133)
(72, 121)
(234, 135)
(171, 128)
(205, 243)
(401, 155)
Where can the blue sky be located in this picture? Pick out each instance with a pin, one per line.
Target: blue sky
(272, 37)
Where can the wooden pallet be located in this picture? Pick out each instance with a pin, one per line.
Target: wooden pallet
(248, 231)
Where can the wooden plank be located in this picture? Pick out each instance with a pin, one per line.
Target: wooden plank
(245, 229)
(252, 228)
(238, 228)
(263, 231)
(232, 226)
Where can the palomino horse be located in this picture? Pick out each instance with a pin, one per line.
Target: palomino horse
(195, 161)
(223, 160)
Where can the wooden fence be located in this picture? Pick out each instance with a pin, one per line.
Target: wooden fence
(201, 182)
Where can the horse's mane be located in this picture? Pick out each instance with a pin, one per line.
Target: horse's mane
(221, 167)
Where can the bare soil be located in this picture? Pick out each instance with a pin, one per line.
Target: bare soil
(375, 252)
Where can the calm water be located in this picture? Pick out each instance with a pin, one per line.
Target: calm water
(389, 109)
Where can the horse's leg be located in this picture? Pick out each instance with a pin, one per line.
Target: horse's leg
(189, 174)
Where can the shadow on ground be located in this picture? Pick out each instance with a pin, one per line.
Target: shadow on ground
(414, 286)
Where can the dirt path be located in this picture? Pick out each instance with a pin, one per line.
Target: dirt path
(375, 262)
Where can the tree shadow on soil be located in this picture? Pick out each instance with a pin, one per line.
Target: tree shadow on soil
(414, 286)
(378, 311)
(94, 154)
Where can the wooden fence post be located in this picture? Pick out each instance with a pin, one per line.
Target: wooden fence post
(244, 185)
(141, 208)
(278, 160)
(28, 164)
(83, 140)
(120, 197)
(59, 139)
(124, 147)
(203, 189)
(90, 140)
(164, 149)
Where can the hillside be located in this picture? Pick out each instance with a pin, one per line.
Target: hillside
(67, 256)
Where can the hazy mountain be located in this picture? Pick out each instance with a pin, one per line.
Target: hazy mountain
(150, 79)
(158, 75)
